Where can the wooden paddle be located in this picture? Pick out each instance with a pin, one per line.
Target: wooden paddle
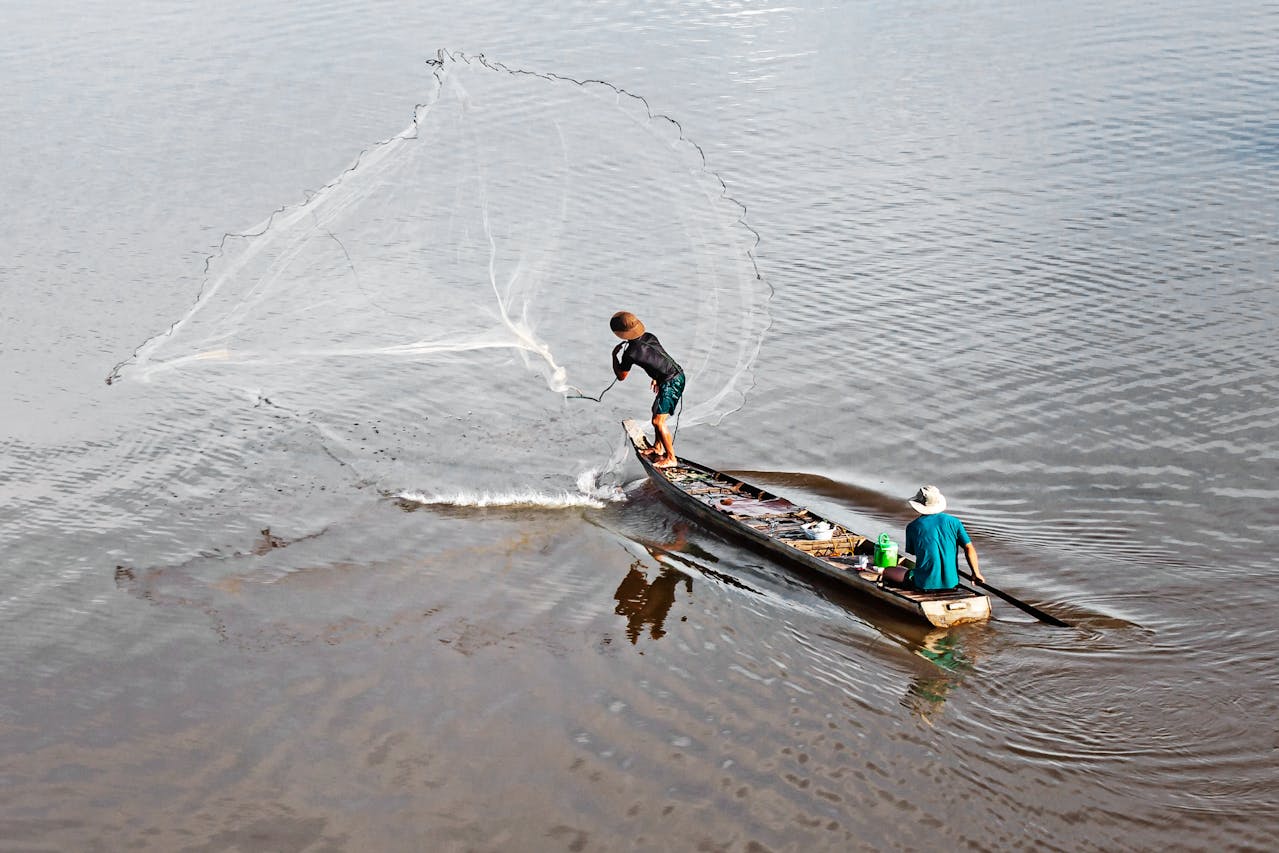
(1029, 608)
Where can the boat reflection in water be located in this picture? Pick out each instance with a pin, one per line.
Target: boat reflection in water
(952, 654)
(646, 600)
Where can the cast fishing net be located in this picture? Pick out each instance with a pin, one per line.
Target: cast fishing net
(434, 313)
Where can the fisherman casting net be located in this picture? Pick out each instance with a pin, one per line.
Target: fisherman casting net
(432, 313)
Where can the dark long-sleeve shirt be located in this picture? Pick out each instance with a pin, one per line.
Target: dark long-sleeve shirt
(647, 352)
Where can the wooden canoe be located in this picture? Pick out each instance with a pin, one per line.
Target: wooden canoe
(776, 526)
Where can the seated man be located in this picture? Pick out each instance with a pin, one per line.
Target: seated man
(935, 539)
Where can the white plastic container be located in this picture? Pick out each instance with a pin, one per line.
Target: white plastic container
(818, 530)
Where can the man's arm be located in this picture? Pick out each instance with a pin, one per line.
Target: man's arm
(618, 372)
(970, 554)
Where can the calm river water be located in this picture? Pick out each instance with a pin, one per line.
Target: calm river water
(328, 599)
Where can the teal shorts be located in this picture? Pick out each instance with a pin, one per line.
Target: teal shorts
(668, 394)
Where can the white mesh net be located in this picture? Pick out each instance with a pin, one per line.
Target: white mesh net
(433, 311)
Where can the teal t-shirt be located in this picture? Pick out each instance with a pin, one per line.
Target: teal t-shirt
(935, 541)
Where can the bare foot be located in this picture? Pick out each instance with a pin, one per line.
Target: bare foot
(666, 462)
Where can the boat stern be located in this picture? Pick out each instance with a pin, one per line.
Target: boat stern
(957, 611)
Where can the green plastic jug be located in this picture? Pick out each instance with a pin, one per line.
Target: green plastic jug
(885, 552)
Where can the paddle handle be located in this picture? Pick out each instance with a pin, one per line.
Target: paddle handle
(1016, 602)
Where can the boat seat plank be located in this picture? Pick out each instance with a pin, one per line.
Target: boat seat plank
(841, 545)
(934, 595)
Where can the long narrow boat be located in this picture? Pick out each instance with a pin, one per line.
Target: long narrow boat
(779, 527)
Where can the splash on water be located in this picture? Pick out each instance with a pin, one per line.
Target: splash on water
(437, 308)
(489, 500)
(591, 492)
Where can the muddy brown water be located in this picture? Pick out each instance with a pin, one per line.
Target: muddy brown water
(1021, 251)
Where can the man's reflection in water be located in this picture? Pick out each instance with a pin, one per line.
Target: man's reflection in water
(927, 693)
(644, 602)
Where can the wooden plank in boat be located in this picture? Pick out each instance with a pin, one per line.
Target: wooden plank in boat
(834, 547)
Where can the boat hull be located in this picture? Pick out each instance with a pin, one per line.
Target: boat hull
(776, 526)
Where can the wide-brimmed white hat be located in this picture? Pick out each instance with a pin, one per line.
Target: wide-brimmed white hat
(928, 500)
